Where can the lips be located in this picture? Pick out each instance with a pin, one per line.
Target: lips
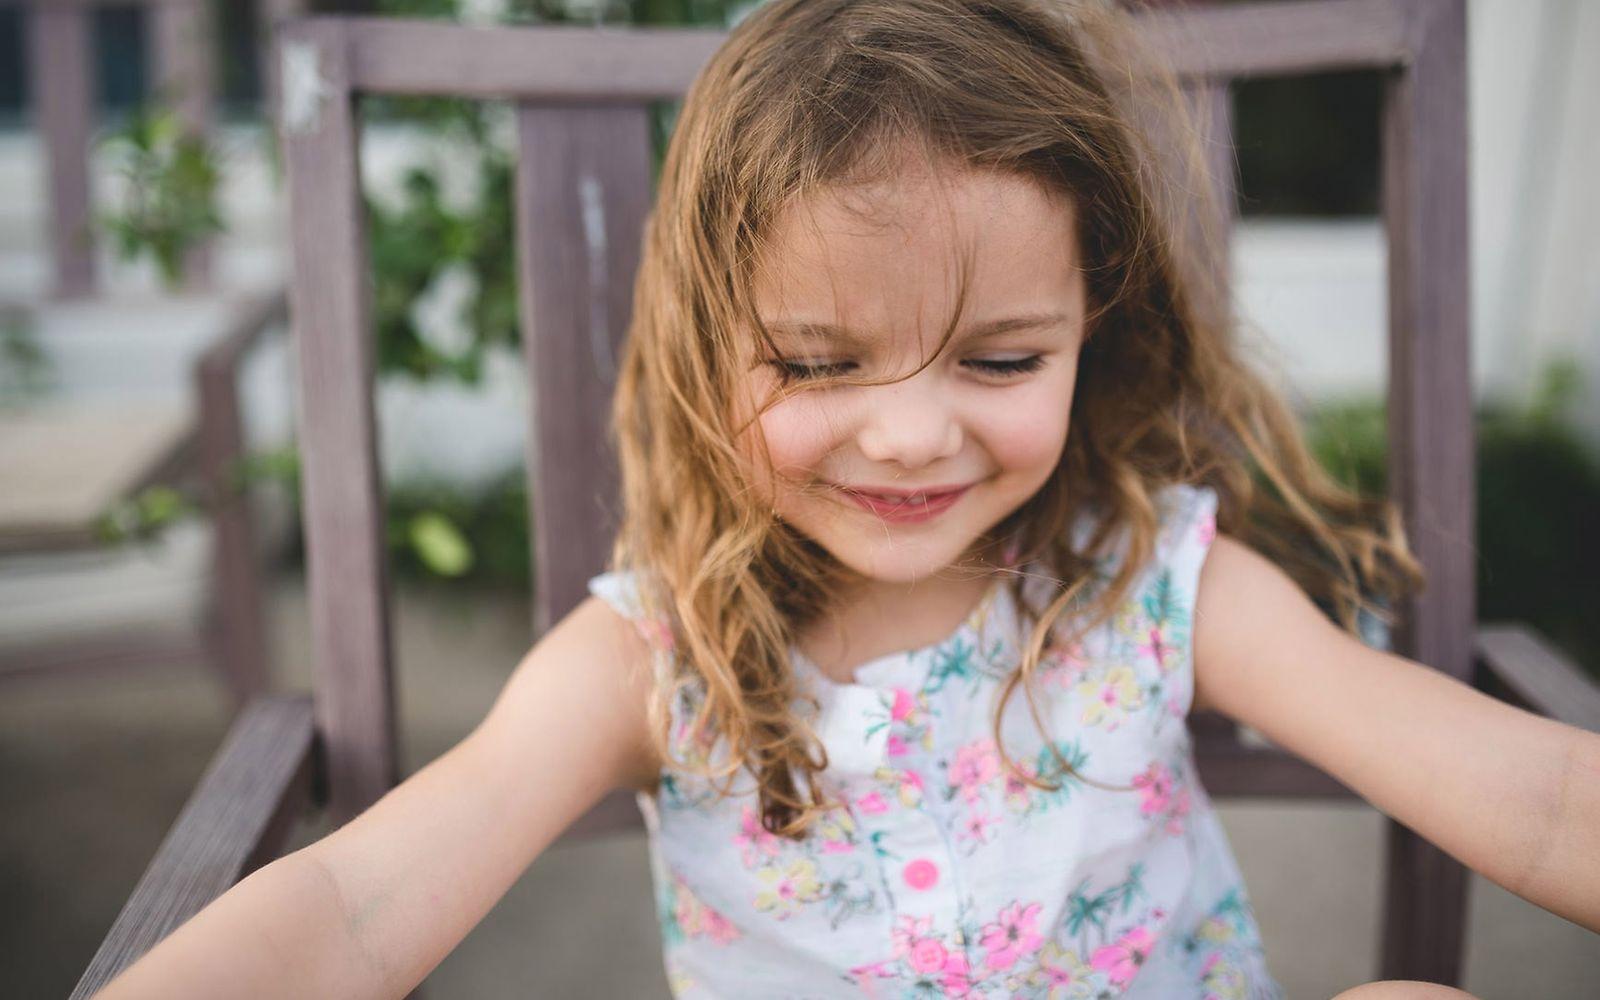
(906, 506)
(887, 494)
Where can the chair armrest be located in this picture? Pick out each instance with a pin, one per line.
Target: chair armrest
(1538, 675)
(238, 818)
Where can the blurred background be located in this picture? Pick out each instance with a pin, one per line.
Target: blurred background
(150, 564)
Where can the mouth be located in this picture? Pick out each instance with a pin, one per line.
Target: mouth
(905, 506)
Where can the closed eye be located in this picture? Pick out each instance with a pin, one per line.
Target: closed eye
(797, 371)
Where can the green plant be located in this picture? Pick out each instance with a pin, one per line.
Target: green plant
(172, 178)
(1538, 488)
(25, 370)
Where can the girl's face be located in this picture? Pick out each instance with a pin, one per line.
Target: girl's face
(897, 481)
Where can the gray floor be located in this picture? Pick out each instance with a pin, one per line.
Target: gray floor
(94, 768)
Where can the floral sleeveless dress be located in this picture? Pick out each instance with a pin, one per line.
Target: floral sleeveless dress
(942, 876)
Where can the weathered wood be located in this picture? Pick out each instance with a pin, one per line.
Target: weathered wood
(240, 815)
(583, 190)
(1292, 38)
(1231, 769)
(629, 65)
(1430, 433)
(240, 634)
(61, 77)
(394, 56)
(340, 485)
(1538, 675)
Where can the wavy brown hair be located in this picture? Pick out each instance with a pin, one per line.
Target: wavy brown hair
(810, 93)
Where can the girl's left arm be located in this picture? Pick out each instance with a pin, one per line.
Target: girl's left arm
(1510, 794)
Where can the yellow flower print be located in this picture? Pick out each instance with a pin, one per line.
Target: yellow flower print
(787, 890)
(1216, 929)
(1222, 979)
(1110, 697)
(1061, 974)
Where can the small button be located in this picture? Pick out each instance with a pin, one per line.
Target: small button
(921, 874)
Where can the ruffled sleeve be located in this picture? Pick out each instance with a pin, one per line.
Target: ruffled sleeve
(1172, 591)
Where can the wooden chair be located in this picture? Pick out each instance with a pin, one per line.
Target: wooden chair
(581, 116)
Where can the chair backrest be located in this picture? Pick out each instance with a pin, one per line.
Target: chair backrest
(581, 97)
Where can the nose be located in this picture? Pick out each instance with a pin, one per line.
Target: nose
(911, 423)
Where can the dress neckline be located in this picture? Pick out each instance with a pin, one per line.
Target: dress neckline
(902, 668)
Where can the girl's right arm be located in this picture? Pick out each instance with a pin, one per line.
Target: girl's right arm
(371, 909)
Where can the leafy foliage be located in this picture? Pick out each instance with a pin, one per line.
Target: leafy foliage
(172, 180)
(1538, 488)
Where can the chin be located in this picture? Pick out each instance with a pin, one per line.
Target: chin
(895, 561)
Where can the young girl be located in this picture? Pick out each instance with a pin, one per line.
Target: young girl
(944, 497)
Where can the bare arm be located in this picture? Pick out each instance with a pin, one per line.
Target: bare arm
(370, 909)
(1510, 794)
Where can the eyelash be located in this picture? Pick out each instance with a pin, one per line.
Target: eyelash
(792, 371)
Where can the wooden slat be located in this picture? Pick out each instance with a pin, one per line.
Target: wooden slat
(557, 63)
(1430, 433)
(1231, 769)
(1289, 37)
(61, 77)
(583, 190)
(1539, 675)
(237, 601)
(240, 815)
(391, 56)
(343, 509)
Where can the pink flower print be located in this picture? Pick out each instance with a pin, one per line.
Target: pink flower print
(719, 928)
(1205, 531)
(928, 955)
(910, 788)
(975, 827)
(957, 980)
(1180, 809)
(696, 919)
(872, 804)
(754, 842)
(1018, 793)
(1156, 785)
(1062, 664)
(974, 766)
(1121, 959)
(1158, 648)
(1162, 796)
(897, 745)
(1011, 936)
(921, 874)
(907, 932)
(904, 704)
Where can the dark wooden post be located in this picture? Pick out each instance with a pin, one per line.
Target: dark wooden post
(62, 82)
(343, 508)
(583, 192)
(1430, 433)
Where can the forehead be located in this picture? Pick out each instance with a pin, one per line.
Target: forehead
(894, 254)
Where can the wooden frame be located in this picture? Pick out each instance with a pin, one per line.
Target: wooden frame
(581, 90)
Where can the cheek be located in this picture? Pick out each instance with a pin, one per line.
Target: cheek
(1027, 434)
(800, 434)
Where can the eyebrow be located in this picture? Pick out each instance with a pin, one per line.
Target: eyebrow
(977, 331)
